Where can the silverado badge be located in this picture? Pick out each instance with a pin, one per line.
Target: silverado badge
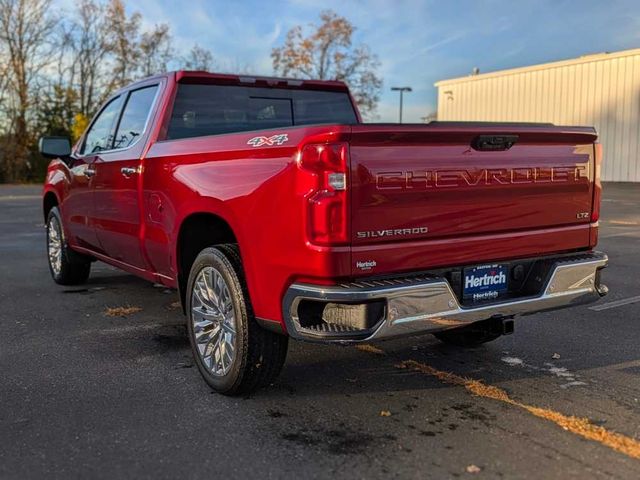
(278, 139)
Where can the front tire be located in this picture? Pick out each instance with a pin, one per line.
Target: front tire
(66, 266)
(233, 353)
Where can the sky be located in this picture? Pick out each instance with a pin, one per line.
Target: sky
(418, 42)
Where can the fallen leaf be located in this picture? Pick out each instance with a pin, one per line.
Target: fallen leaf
(365, 347)
(385, 413)
(473, 469)
(121, 311)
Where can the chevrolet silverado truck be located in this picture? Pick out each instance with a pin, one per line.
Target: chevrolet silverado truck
(276, 213)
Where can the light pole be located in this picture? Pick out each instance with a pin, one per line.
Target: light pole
(401, 90)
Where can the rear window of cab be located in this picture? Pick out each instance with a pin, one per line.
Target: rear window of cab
(201, 110)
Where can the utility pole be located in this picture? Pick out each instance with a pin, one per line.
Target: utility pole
(401, 90)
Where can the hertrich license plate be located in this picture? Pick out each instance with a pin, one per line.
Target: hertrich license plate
(485, 282)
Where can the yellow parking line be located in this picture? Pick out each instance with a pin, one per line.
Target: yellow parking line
(576, 425)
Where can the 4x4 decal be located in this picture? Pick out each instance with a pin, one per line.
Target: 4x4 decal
(278, 139)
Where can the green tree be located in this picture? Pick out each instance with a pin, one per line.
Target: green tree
(57, 110)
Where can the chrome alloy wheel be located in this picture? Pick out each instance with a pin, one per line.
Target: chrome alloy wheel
(213, 319)
(54, 245)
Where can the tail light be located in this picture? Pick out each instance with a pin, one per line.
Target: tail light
(597, 186)
(327, 208)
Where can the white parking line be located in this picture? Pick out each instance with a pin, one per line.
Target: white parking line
(617, 303)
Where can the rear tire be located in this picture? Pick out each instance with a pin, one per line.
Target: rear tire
(472, 335)
(66, 266)
(233, 353)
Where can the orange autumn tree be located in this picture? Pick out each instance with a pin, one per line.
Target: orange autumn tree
(326, 52)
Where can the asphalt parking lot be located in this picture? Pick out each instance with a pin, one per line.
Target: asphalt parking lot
(87, 395)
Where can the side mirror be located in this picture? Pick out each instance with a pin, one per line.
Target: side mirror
(54, 147)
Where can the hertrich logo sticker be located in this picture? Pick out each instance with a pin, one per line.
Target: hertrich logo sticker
(366, 265)
(278, 139)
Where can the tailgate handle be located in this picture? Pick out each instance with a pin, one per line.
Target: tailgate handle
(494, 142)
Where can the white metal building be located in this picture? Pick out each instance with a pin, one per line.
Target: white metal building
(601, 90)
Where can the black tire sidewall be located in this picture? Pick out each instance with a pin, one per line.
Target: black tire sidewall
(213, 257)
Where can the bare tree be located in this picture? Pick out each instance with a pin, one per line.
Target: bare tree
(90, 44)
(327, 53)
(198, 59)
(4, 85)
(5, 120)
(155, 50)
(25, 29)
(123, 43)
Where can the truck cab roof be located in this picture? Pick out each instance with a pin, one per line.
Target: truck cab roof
(200, 76)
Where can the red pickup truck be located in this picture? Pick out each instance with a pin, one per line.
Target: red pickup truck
(277, 213)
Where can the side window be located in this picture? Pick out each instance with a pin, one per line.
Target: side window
(100, 135)
(134, 117)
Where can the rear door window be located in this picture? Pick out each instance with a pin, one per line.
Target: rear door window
(201, 110)
(134, 117)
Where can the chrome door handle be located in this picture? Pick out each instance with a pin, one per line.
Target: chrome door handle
(128, 171)
(89, 172)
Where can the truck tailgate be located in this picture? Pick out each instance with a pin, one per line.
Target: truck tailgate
(428, 195)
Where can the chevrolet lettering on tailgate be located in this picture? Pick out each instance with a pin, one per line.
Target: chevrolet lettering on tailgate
(413, 180)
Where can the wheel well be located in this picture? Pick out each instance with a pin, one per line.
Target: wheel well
(197, 232)
(50, 200)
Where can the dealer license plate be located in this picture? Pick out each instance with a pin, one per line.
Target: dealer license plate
(485, 282)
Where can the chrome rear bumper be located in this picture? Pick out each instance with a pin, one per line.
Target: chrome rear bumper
(417, 305)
